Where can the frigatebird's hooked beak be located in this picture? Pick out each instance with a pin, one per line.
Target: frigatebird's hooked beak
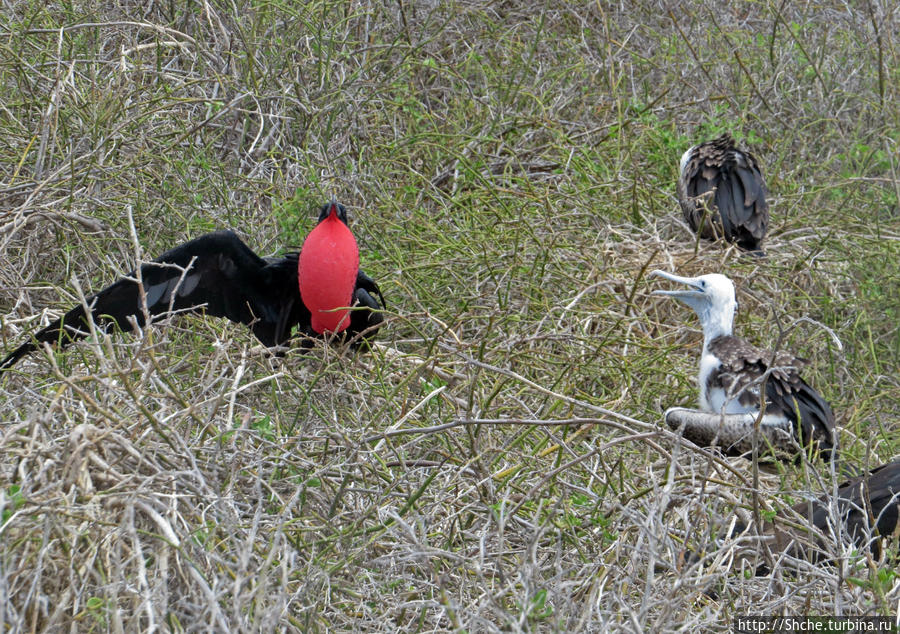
(697, 290)
(333, 208)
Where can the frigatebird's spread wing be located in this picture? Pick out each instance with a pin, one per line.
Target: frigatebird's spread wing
(216, 273)
(723, 194)
(740, 375)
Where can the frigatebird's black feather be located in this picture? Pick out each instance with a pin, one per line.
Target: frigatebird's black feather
(217, 274)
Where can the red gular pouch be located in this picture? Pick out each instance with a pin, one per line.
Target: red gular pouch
(327, 270)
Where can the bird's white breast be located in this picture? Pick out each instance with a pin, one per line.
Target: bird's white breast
(713, 397)
(684, 159)
(708, 364)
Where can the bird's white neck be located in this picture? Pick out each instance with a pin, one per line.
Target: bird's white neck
(716, 323)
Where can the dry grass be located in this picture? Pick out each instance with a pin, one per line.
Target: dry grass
(498, 461)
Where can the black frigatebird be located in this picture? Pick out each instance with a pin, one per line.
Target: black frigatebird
(723, 194)
(217, 273)
(732, 372)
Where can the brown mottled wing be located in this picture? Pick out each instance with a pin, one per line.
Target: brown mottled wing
(722, 193)
(741, 372)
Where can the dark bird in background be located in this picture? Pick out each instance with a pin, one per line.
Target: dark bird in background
(732, 372)
(723, 194)
(218, 274)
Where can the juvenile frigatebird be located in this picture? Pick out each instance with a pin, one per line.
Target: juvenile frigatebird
(220, 275)
(723, 194)
(732, 372)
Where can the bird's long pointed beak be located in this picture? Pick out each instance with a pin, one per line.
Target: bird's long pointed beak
(687, 281)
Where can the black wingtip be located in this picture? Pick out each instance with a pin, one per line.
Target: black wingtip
(13, 357)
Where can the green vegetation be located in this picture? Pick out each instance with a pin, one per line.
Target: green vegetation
(497, 461)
